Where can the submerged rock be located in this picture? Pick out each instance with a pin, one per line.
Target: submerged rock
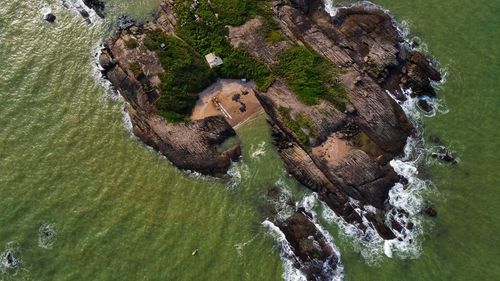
(429, 210)
(96, 5)
(10, 259)
(444, 154)
(49, 17)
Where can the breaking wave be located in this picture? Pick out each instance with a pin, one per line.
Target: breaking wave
(406, 199)
(309, 202)
(290, 272)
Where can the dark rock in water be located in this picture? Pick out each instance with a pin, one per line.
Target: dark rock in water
(10, 259)
(96, 5)
(429, 210)
(318, 259)
(106, 62)
(444, 154)
(410, 225)
(124, 22)
(49, 17)
(84, 14)
(425, 105)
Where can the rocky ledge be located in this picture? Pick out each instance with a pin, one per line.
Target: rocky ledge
(193, 146)
(347, 152)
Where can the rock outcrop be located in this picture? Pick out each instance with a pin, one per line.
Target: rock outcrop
(362, 40)
(317, 258)
(191, 145)
(97, 5)
(345, 154)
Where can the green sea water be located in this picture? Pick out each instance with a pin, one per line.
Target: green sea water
(122, 212)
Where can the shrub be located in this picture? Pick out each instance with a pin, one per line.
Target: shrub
(131, 43)
(136, 69)
(293, 125)
(311, 77)
(209, 34)
(186, 74)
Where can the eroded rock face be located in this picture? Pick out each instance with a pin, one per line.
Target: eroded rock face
(188, 145)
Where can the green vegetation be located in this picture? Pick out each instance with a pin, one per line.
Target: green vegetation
(136, 69)
(241, 64)
(131, 43)
(202, 29)
(186, 74)
(311, 77)
(236, 12)
(293, 125)
(206, 33)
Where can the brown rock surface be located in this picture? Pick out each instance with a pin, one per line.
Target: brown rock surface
(189, 145)
(318, 259)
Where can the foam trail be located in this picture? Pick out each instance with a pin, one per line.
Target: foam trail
(77, 5)
(259, 151)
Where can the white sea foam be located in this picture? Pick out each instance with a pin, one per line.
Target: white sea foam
(235, 174)
(281, 204)
(239, 246)
(290, 273)
(10, 257)
(259, 151)
(309, 202)
(330, 8)
(46, 236)
(76, 5)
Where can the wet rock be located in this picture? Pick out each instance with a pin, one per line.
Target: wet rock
(84, 14)
(10, 259)
(318, 259)
(396, 225)
(96, 5)
(425, 104)
(106, 62)
(444, 154)
(125, 22)
(430, 211)
(49, 17)
(410, 225)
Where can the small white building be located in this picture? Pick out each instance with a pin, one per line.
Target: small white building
(213, 60)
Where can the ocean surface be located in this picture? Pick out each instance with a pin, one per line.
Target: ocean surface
(82, 199)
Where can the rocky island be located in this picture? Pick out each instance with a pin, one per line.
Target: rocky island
(329, 85)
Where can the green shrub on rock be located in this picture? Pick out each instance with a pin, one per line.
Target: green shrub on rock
(311, 77)
(186, 74)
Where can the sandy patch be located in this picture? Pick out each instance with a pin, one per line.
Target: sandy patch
(333, 149)
(233, 99)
